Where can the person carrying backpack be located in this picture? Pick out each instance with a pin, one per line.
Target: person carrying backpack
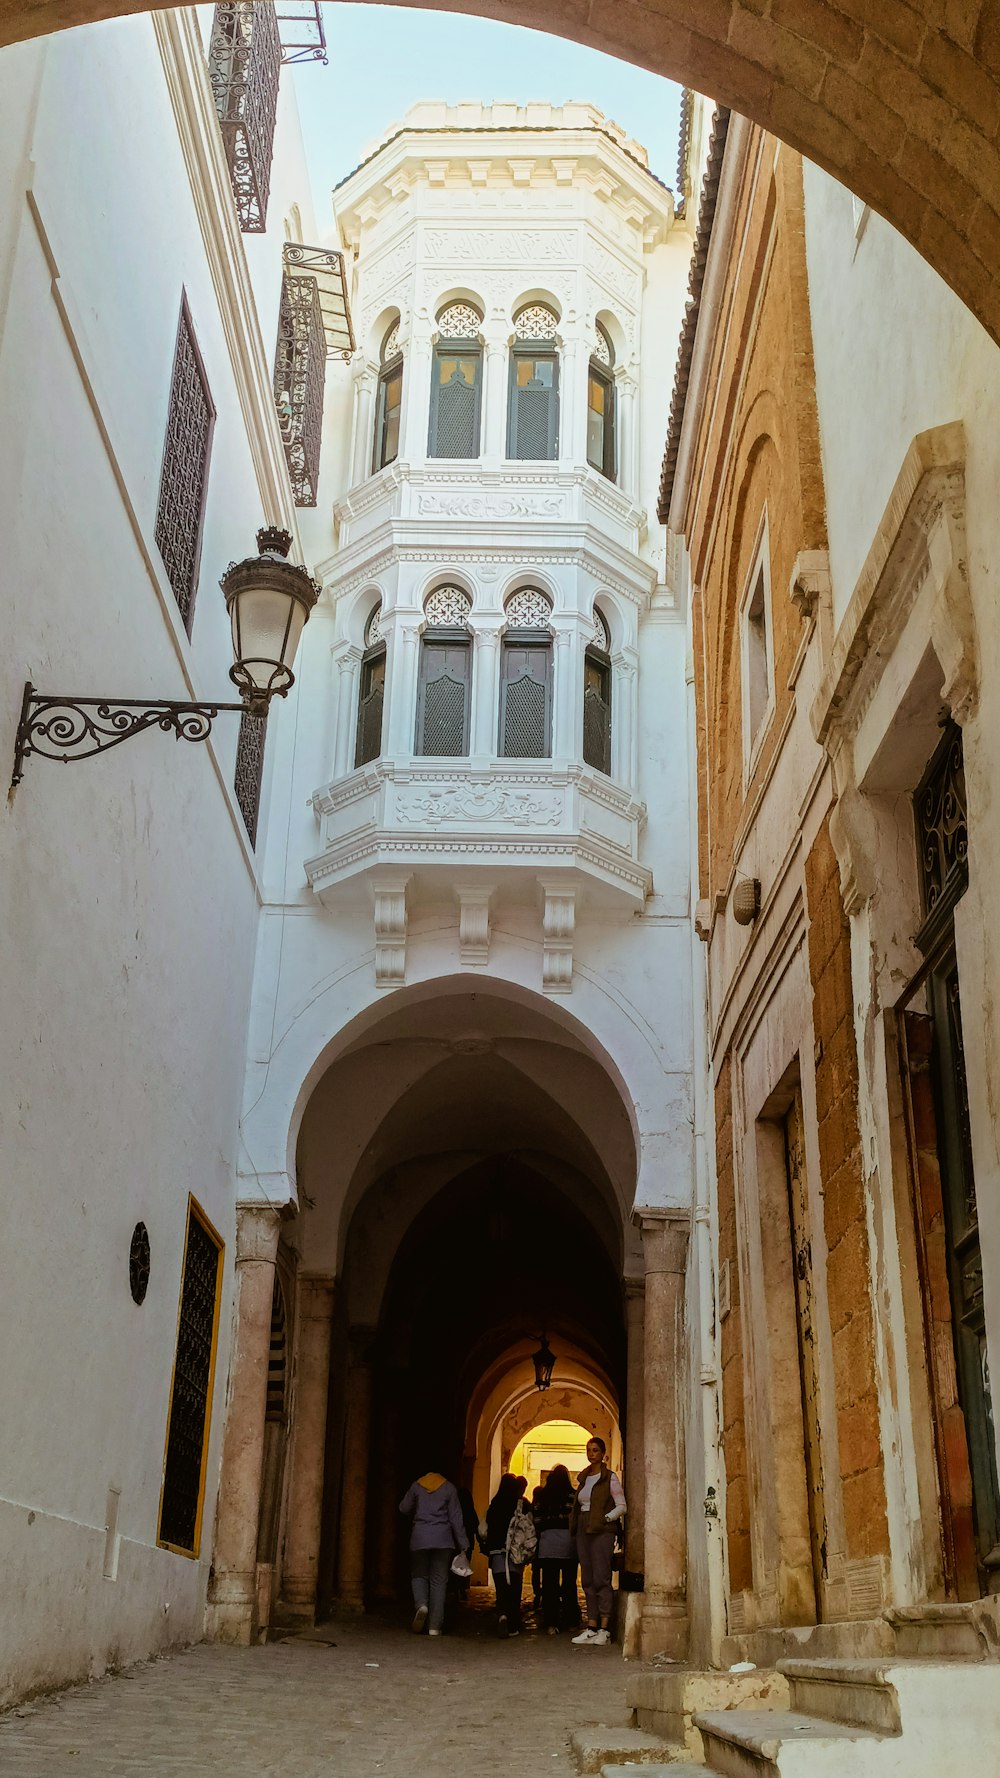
(509, 1539)
(557, 1556)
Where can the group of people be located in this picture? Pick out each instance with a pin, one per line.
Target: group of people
(565, 1528)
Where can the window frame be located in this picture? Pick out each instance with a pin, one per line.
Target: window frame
(534, 639)
(600, 658)
(455, 348)
(754, 733)
(599, 373)
(195, 1213)
(388, 369)
(369, 660)
(444, 636)
(535, 350)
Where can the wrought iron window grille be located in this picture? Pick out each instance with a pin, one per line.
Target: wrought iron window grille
(244, 64)
(940, 812)
(191, 1391)
(249, 774)
(180, 509)
(302, 32)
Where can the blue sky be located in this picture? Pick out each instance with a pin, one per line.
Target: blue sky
(384, 58)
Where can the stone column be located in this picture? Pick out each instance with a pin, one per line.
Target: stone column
(365, 378)
(625, 719)
(494, 434)
(348, 660)
(400, 707)
(354, 1483)
(626, 390)
(306, 1457)
(415, 416)
(665, 1236)
(635, 1462)
(567, 716)
(485, 693)
(232, 1592)
(571, 394)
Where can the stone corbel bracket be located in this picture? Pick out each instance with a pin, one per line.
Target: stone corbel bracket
(473, 923)
(918, 556)
(389, 893)
(558, 927)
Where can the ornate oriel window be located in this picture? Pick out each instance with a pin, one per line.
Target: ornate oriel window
(389, 401)
(244, 63)
(601, 406)
(180, 509)
(533, 409)
(445, 677)
(526, 677)
(191, 1389)
(597, 697)
(250, 769)
(371, 697)
(300, 372)
(456, 383)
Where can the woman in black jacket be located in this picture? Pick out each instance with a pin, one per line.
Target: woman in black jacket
(508, 1576)
(557, 1552)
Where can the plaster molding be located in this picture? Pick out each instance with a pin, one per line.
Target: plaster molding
(389, 893)
(558, 927)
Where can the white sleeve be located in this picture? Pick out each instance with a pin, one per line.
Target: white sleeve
(617, 1492)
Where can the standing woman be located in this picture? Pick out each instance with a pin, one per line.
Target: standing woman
(557, 1551)
(600, 1503)
(508, 1518)
(437, 1532)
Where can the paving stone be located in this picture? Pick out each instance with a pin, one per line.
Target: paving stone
(596, 1746)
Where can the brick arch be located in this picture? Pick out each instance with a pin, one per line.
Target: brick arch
(898, 101)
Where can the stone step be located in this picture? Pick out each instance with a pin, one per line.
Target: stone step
(761, 1743)
(682, 1768)
(945, 1631)
(598, 1745)
(665, 1703)
(859, 1693)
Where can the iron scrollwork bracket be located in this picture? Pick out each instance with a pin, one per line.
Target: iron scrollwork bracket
(68, 729)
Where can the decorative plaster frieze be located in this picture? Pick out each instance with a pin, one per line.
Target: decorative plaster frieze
(558, 927)
(486, 506)
(389, 894)
(495, 801)
(530, 247)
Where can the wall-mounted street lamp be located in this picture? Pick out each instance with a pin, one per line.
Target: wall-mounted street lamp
(269, 600)
(544, 1362)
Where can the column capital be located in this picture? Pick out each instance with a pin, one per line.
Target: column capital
(665, 1236)
(257, 1228)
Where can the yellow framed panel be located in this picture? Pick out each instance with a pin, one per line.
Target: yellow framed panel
(195, 1213)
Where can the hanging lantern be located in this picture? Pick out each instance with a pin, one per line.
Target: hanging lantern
(269, 600)
(544, 1362)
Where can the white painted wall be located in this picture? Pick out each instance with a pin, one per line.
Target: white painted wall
(128, 897)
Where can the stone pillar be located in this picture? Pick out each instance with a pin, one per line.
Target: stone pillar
(625, 719)
(306, 1458)
(665, 1236)
(567, 716)
(348, 660)
(571, 396)
(400, 707)
(415, 416)
(354, 1482)
(635, 1462)
(231, 1614)
(626, 391)
(365, 378)
(485, 694)
(494, 434)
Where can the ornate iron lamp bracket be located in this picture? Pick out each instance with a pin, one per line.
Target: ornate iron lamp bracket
(68, 729)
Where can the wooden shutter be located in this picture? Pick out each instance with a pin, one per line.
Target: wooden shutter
(390, 402)
(601, 422)
(597, 711)
(443, 697)
(533, 428)
(526, 697)
(454, 427)
(370, 701)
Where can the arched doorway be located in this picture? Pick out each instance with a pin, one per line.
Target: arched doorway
(899, 104)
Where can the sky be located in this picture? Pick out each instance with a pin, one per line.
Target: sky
(384, 58)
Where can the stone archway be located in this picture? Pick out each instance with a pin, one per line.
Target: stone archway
(899, 102)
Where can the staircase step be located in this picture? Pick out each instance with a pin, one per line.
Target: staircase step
(760, 1743)
(683, 1768)
(858, 1693)
(665, 1703)
(597, 1746)
(945, 1631)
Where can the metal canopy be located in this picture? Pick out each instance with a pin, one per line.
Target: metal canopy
(303, 36)
(326, 267)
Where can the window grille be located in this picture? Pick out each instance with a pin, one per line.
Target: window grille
(250, 769)
(391, 347)
(456, 396)
(940, 810)
(443, 697)
(528, 609)
(191, 1390)
(300, 380)
(597, 710)
(526, 699)
(244, 63)
(447, 607)
(604, 351)
(277, 1361)
(459, 321)
(184, 475)
(533, 411)
(536, 322)
(600, 636)
(389, 405)
(373, 629)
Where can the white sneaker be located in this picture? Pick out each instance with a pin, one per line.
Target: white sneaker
(433, 1632)
(588, 1636)
(601, 1637)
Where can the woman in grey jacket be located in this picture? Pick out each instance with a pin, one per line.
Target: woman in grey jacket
(438, 1530)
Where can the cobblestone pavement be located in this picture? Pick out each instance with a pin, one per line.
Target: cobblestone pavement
(373, 1701)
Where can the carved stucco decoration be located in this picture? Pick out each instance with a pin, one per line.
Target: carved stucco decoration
(490, 506)
(480, 802)
(483, 246)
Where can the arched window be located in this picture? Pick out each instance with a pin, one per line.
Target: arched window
(597, 698)
(601, 406)
(533, 413)
(445, 675)
(372, 692)
(526, 677)
(456, 383)
(389, 401)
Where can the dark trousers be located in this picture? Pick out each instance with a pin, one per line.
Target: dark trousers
(509, 1594)
(560, 1605)
(595, 1565)
(429, 1570)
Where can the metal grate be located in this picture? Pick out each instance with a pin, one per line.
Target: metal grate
(533, 429)
(444, 717)
(277, 1360)
(300, 381)
(457, 431)
(447, 607)
(244, 63)
(536, 322)
(250, 769)
(603, 350)
(180, 1505)
(940, 810)
(596, 728)
(373, 628)
(600, 635)
(525, 724)
(528, 609)
(184, 475)
(459, 321)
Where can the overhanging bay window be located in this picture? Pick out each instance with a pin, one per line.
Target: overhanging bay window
(456, 383)
(371, 697)
(244, 63)
(443, 688)
(313, 322)
(601, 406)
(597, 698)
(526, 677)
(389, 402)
(533, 411)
